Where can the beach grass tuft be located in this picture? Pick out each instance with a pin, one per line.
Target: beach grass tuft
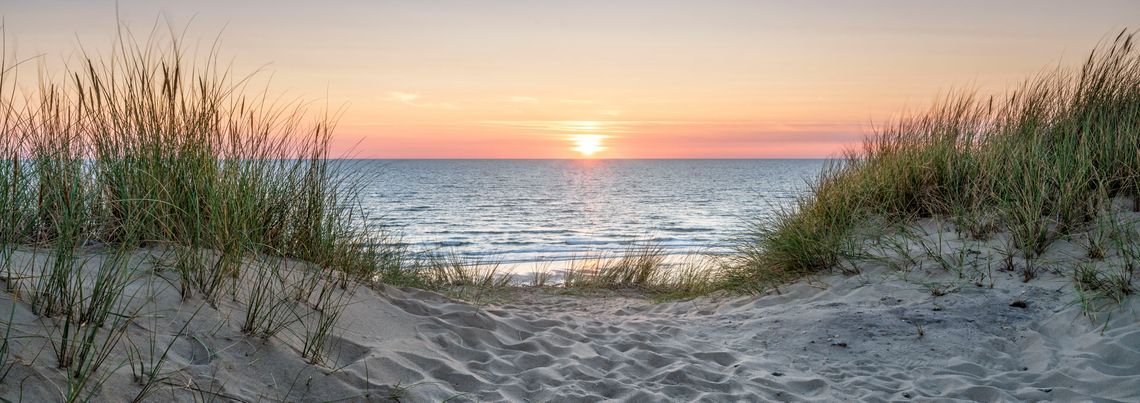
(1040, 163)
(150, 146)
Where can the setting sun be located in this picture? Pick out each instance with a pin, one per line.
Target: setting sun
(588, 144)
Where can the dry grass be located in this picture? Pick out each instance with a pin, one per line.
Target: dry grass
(1040, 163)
(149, 147)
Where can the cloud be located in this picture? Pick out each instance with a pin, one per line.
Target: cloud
(563, 126)
(403, 97)
(522, 100)
(413, 99)
(727, 132)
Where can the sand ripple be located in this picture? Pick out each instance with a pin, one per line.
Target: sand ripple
(845, 342)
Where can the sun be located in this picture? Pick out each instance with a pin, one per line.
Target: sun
(588, 144)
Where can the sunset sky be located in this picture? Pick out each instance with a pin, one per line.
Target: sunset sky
(608, 79)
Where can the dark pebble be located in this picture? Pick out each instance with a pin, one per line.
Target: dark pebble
(1019, 304)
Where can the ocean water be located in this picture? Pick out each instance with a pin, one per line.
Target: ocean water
(517, 211)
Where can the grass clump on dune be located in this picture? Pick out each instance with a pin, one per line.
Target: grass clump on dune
(647, 268)
(1041, 163)
(150, 148)
(642, 268)
(147, 148)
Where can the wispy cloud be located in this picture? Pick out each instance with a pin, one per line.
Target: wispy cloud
(563, 126)
(402, 97)
(414, 99)
(522, 100)
(726, 130)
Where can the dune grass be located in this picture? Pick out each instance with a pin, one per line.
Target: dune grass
(144, 147)
(1041, 163)
(643, 268)
(151, 146)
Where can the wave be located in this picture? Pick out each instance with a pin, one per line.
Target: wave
(686, 229)
(524, 210)
(499, 232)
(415, 208)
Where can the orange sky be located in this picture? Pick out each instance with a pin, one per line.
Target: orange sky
(643, 79)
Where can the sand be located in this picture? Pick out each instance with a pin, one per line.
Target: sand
(880, 335)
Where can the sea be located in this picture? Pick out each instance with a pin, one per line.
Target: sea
(520, 211)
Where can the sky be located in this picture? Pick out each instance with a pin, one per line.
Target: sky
(604, 79)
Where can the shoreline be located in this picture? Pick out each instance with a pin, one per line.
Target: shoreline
(523, 273)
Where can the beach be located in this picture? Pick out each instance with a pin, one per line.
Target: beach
(880, 335)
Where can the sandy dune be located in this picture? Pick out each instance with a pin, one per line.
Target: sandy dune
(850, 341)
(833, 338)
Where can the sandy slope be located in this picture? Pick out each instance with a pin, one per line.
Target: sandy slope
(833, 338)
(848, 341)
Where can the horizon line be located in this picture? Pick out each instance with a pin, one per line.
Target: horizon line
(580, 159)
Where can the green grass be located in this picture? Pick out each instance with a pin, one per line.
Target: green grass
(643, 268)
(1040, 163)
(149, 147)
